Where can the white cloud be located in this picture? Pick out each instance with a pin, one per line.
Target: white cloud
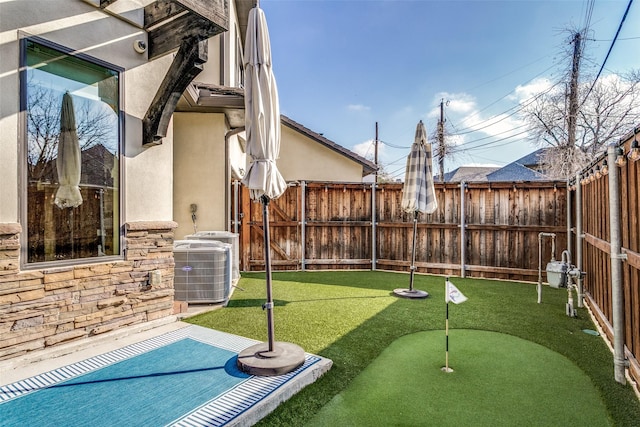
(456, 103)
(465, 116)
(358, 107)
(524, 92)
(367, 149)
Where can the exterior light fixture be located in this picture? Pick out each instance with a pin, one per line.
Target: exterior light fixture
(605, 167)
(598, 174)
(634, 153)
(621, 160)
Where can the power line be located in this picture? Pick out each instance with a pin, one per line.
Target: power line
(609, 51)
(555, 64)
(619, 39)
(395, 146)
(517, 108)
(497, 140)
(492, 136)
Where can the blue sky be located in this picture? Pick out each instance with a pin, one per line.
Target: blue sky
(343, 65)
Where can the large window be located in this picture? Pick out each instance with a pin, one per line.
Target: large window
(72, 149)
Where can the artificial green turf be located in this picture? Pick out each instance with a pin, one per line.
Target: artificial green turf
(498, 379)
(350, 317)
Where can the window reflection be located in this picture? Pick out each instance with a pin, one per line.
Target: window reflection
(73, 152)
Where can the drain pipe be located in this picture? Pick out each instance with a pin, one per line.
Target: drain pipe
(227, 179)
(579, 237)
(619, 362)
(236, 201)
(463, 237)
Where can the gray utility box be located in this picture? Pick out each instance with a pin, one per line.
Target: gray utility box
(202, 272)
(225, 237)
(557, 274)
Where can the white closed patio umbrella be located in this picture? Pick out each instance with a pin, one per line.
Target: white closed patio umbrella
(262, 128)
(68, 162)
(418, 196)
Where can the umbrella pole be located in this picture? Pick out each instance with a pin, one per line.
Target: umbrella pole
(267, 259)
(413, 249)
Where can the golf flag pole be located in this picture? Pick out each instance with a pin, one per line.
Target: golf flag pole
(446, 334)
(453, 294)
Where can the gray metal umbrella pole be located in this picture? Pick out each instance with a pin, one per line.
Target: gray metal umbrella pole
(267, 259)
(413, 250)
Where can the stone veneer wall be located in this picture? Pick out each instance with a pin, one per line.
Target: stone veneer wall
(43, 308)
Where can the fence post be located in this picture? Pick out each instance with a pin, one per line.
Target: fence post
(617, 300)
(373, 227)
(463, 238)
(568, 206)
(303, 224)
(579, 237)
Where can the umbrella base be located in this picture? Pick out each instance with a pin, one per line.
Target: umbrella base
(410, 293)
(258, 360)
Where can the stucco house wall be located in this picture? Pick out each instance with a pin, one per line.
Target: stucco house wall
(302, 158)
(199, 172)
(42, 307)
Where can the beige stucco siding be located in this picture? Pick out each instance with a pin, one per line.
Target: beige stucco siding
(302, 158)
(200, 175)
(80, 26)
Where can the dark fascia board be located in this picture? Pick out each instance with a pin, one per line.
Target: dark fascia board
(219, 96)
(205, 98)
(368, 167)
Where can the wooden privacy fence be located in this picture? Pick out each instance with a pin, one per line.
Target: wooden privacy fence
(591, 233)
(479, 229)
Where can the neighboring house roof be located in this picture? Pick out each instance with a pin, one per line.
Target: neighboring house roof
(533, 160)
(469, 173)
(97, 166)
(368, 167)
(527, 168)
(515, 172)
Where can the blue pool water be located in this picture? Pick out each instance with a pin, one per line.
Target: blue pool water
(150, 389)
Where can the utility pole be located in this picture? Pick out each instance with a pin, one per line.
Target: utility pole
(441, 141)
(573, 94)
(376, 153)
